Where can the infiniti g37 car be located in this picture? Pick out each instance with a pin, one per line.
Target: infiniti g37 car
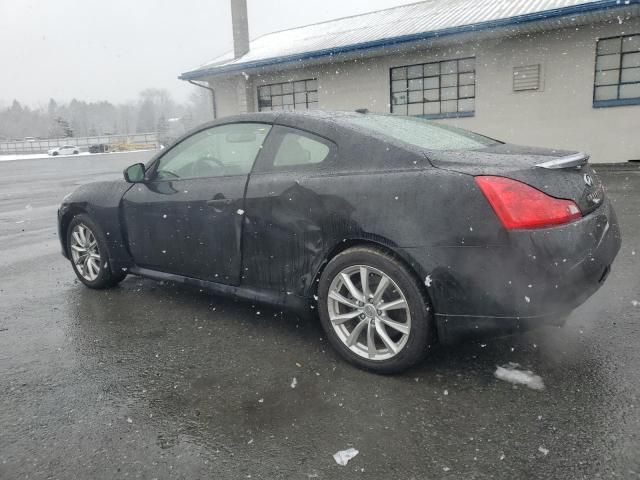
(398, 232)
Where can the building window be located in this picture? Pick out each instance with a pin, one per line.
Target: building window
(299, 95)
(526, 78)
(435, 90)
(617, 76)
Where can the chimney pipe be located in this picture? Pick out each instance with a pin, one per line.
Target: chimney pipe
(240, 23)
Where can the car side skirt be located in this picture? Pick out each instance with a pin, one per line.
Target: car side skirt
(298, 305)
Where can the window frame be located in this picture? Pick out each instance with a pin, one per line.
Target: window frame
(151, 171)
(441, 115)
(267, 157)
(292, 93)
(617, 102)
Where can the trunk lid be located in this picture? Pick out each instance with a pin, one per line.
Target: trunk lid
(558, 173)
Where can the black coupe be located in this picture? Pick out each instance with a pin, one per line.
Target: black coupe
(397, 231)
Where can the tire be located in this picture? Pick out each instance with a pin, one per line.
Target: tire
(94, 273)
(402, 312)
(75, 152)
(55, 154)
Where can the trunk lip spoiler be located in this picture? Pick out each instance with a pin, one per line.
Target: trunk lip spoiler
(576, 160)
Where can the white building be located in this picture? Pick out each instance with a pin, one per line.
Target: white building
(561, 73)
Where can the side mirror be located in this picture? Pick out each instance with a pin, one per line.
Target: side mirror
(134, 173)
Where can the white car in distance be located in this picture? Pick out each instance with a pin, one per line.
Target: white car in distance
(64, 150)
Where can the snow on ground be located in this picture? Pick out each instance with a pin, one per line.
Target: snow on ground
(9, 158)
(512, 374)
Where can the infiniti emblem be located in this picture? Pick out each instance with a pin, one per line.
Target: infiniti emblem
(588, 180)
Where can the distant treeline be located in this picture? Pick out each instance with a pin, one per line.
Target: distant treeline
(153, 111)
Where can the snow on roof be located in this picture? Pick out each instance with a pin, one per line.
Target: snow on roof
(413, 22)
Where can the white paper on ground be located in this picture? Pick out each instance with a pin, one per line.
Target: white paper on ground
(343, 456)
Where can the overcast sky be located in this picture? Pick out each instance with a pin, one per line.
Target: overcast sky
(112, 49)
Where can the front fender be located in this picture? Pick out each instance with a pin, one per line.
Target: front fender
(100, 201)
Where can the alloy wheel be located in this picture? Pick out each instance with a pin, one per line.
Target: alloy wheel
(369, 312)
(85, 252)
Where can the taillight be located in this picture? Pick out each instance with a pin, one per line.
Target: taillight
(518, 205)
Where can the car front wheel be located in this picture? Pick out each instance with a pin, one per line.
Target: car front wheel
(88, 254)
(374, 311)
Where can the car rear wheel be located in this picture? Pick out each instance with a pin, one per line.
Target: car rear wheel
(374, 311)
(75, 152)
(54, 153)
(88, 254)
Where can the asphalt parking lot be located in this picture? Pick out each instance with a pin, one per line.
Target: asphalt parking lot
(154, 380)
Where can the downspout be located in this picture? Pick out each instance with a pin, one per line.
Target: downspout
(213, 95)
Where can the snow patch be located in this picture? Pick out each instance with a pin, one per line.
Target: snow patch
(343, 456)
(511, 373)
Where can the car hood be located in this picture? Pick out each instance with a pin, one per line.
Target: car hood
(577, 183)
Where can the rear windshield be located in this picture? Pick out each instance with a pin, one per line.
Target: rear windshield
(421, 133)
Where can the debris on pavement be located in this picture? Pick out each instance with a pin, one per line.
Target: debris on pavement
(343, 456)
(543, 450)
(294, 382)
(511, 373)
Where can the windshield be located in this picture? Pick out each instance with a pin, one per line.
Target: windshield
(421, 133)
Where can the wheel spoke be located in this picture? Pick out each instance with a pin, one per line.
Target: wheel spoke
(382, 333)
(364, 281)
(82, 234)
(78, 248)
(94, 266)
(355, 293)
(395, 305)
(400, 327)
(355, 334)
(382, 287)
(345, 317)
(77, 237)
(371, 340)
(345, 301)
(85, 266)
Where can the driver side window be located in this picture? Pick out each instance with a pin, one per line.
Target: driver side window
(216, 152)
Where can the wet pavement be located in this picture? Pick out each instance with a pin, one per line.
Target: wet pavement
(153, 380)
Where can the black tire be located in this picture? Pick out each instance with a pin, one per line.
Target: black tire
(54, 154)
(75, 152)
(421, 333)
(106, 278)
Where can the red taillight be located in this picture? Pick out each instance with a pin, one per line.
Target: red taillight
(518, 205)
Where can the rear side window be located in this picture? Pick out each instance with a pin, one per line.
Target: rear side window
(296, 149)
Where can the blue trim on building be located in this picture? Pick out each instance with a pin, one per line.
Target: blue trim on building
(386, 42)
(616, 103)
(439, 116)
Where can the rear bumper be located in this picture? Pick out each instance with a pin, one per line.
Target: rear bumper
(535, 280)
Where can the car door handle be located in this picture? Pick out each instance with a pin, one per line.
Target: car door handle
(219, 202)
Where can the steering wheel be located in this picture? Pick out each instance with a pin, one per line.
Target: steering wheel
(205, 165)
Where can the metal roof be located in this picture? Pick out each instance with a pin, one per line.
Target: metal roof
(394, 26)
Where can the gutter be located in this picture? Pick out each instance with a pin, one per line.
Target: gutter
(213, 95)
(601, 5)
